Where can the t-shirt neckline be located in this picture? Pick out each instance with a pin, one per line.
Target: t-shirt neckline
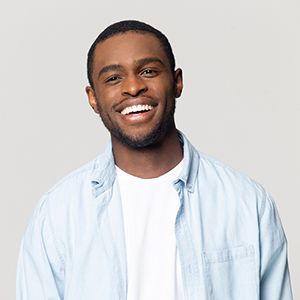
(168, 176)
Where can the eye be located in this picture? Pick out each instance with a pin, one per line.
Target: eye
(113, 79)
(149, 72)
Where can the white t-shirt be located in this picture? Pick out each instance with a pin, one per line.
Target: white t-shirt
(150, 207)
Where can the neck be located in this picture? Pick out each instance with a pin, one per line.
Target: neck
(149, 162)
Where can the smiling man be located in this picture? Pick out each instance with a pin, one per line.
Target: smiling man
(151, 218)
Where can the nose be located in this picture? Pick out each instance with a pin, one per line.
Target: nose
(133, 86)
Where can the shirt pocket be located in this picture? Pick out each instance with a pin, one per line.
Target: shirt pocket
(230, 273)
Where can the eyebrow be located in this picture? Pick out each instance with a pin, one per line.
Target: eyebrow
(140, 62)
(109, 68)
(148, 60)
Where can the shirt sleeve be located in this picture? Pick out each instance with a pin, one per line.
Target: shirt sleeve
(274, 273)
(40, 267)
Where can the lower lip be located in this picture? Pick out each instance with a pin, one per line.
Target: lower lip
(138, 117)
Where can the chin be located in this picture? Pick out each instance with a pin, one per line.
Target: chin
(140, 141)
(144, 138)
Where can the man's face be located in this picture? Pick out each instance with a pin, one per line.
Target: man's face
(134, 88)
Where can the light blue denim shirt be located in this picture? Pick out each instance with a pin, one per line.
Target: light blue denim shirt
(229, 236)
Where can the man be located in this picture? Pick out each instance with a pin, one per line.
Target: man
(151, 218)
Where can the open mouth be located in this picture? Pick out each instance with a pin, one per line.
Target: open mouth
(136, 109)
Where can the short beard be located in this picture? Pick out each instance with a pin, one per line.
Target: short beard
(151, 139)
(147, 141)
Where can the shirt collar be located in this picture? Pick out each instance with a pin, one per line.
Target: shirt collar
(189, 171)
(104, 172)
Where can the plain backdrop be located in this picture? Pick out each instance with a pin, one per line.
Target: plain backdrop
(241, 100)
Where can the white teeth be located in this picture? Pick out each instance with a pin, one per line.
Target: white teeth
(136, 108)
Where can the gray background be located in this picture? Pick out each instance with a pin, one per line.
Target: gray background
(241, 100)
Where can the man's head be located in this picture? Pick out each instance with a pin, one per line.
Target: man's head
(125, 26)
(133, 84)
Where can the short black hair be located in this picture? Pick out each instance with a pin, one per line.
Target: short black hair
(125, 26)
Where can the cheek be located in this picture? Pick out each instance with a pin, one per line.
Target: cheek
(105, 99)
(158, 91)
(110, 96)
(161, 89)
(99, 107)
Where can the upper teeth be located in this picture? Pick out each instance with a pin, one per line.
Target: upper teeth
(136, 108)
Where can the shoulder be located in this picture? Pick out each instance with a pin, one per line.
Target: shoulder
(67, 201)
(234, 186)
(222, 172)
(211, 173)
(78, 176)
(233, 192)
(73, 188)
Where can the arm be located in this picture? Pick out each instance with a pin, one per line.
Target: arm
(40, 266)
(274, 273)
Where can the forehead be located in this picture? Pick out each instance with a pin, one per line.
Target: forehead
(126, 48)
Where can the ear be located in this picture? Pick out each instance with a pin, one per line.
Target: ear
(178, 82)
(92, 98)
